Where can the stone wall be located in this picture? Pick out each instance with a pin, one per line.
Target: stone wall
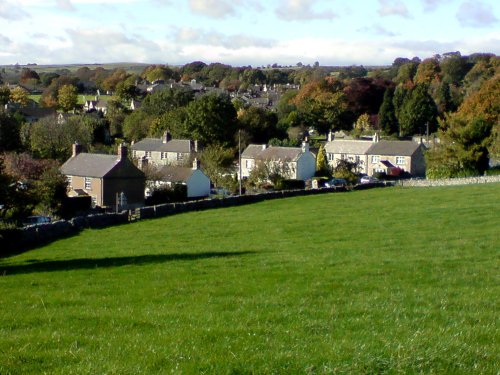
(448, 181)
(30, 237)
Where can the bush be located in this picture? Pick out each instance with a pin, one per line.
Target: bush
(494, 171)
(289, 184)
(176, 193)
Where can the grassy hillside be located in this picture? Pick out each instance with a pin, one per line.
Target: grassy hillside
(392, 280)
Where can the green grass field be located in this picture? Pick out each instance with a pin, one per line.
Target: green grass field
(382, 281)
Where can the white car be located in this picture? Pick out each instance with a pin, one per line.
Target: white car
(368, 180)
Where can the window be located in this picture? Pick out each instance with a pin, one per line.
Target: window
(330, 156)
(88, 183)
(163, 155)
(69, 179)
(180, 156)
(148, 154)
(358, 159)
(375, 159)
(134, 153)
(342, 156)
(400, 160)
(248, 164)
(94, 201)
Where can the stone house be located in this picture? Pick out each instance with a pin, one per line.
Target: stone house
(107, 179)
(165, 150)
(390, 157)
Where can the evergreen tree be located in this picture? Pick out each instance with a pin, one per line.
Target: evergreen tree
(387, 119)
(322, 168)
(418, 111)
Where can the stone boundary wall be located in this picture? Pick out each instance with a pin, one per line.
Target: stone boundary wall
(449, 181)
(18, 240)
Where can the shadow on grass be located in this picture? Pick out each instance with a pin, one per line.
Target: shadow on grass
(90, 263)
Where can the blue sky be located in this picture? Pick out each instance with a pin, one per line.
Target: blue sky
(243, 32)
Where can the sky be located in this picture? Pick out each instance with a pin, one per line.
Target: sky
(243, 32)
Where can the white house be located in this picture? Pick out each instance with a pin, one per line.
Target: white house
(347, 149)
(300, 162)
(197, 182)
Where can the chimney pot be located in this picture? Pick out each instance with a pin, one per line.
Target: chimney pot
(196, 164)
(122, 151)
(77, 148)
(167, 137)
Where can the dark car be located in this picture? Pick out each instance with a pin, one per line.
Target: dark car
(337, 182)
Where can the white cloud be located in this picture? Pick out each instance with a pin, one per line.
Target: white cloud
(65, 5)
(12, 11)
(213, 8)
(476, 14)
(378, 30)
(213, 38)
(293, 10)
(393, 8)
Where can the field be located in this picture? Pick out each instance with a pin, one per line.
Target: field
(381, 281)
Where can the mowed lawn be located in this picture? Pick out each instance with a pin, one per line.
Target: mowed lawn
(382, 281)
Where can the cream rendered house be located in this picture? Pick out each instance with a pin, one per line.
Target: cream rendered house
(300, 162)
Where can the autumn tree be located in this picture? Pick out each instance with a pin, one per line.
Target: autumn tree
(322, 167)
(67, 98)
(4, 95)
(20, 96)
(428, 71)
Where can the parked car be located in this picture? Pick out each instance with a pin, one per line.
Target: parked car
(369, 180)
(36, 219)
(337, 182)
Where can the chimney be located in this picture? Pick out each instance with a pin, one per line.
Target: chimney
(264, 146)
(305, 145)
(196, 164)
(195, 146)
(122, 151)
(77, 148)
(330, 136)
(167, 136)
(376, 138)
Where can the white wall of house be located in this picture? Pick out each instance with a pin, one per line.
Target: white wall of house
(247, 165)
(198, 185)
(305, 166)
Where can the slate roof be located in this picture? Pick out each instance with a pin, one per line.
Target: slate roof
(272, 153)
(252, 151)
(90, 165)
(155, 144)
(99, 166)
(175, 174)
(341, 146)
(394, 148)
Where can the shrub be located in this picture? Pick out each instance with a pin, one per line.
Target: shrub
(289, 184)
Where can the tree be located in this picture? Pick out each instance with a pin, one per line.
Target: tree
(454, 67)
(347, 170)
(418, 111)
(4, 95)
(51, 139)
(428, 71)
(406, 72)
(463, 148)
(387, 120)
(137, 125)
(216, 161)
(20, 96)
(67, 98)
(51, 190)
(211, 119)
(363, 123)
(161, 102)
(10, 128)
(322, 167)
(260, 124)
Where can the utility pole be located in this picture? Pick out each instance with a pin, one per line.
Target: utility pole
(239, 157)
